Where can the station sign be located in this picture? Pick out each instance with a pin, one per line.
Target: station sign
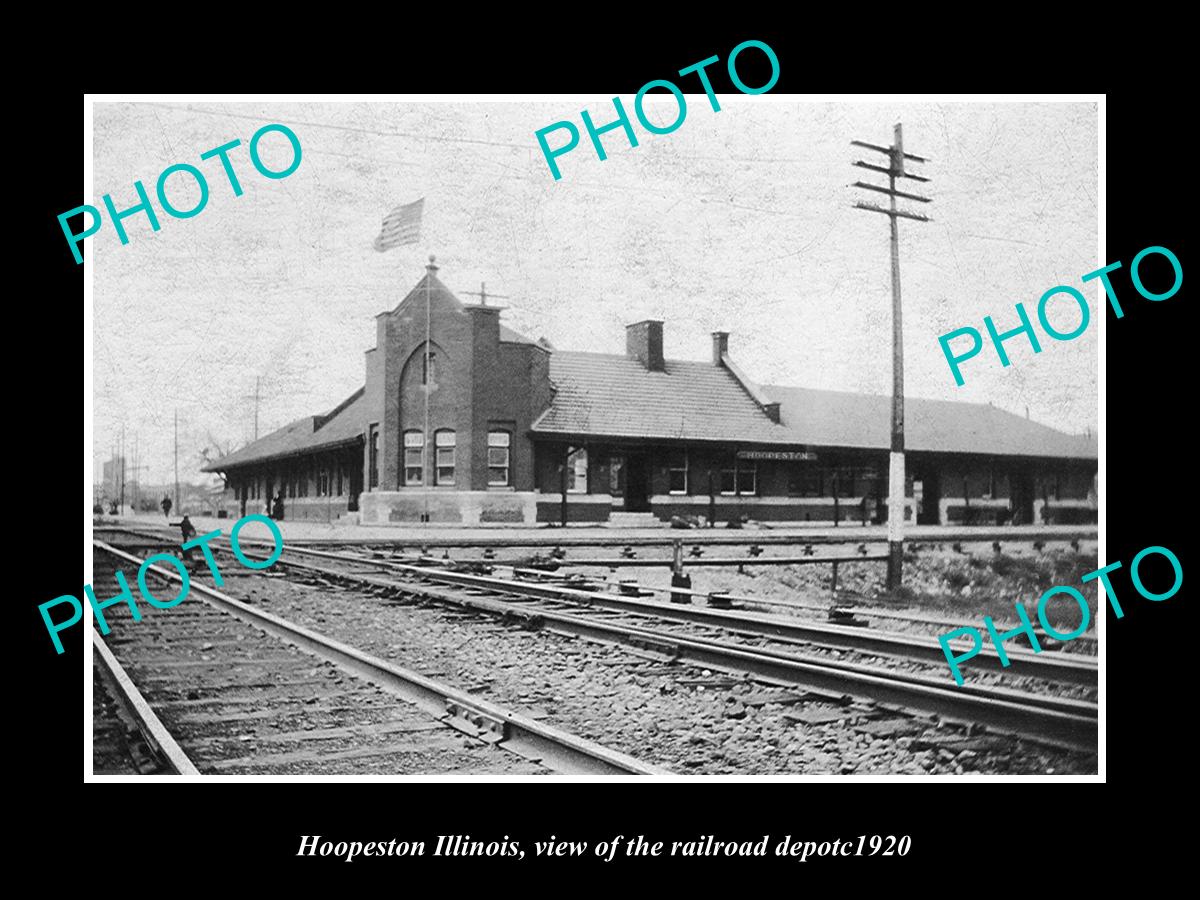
(789, 455)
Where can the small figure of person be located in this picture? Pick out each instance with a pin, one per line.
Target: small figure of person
(166, 506)
(189, 532)
(277, 514)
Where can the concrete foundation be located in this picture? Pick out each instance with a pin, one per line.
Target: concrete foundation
(448, 507)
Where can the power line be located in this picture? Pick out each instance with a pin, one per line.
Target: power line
(421, 136)
(530, 179)
(402, 134)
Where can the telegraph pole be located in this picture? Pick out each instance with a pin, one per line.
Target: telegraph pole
(255, 397)
(136, 468)
(895, 169)
(121, 506)
(176, 459)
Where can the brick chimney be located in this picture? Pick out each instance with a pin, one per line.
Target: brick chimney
(720, 346)
(644, 342)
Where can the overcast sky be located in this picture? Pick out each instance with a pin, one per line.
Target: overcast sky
(740, 220)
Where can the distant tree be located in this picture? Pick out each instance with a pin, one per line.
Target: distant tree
(213, 450)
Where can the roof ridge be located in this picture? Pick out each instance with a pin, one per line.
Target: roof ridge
(328, 417)
(598, 353)
(956, 404)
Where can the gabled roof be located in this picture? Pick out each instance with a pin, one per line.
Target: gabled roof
(843, 419)
(344, 423)
(606, 395)
(439, 294)
(615, 396)
(513, 337)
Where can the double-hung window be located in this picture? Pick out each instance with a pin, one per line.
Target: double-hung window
(414, 458)
(444, 448)
(677, 479)
(498, 458)
(739, 476)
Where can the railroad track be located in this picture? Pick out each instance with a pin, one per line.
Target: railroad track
(1049, 666)
(217, 686)
(745, 601)
(1059, 721)
(667, 538)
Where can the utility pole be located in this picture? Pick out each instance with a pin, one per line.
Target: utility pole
(255, 397)
(136, 468)
(177, 459)
(895, 169)
(121, 506)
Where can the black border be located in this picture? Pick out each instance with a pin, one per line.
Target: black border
(1012, 829)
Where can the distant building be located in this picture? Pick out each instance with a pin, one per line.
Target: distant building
(114, 470)
(516, 431)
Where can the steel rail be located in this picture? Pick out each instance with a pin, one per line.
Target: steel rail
(873, 611)
(1059, 721)
(557, 749)
(1066, 668)
(126, 693)
(699, 562)
(854, 535)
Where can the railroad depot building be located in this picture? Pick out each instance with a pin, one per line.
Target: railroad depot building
(483, 425)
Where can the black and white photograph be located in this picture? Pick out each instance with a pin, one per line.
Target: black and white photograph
(512, 438)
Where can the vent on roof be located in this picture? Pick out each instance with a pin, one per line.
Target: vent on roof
(644, 342)
(720, 346)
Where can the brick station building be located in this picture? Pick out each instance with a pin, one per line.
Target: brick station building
(518, 432)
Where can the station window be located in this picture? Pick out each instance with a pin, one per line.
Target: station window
(677, 481)
(866, 480)
(373, 457)
(414, 457)
(845, 481)
(729, 477)
(804, 480)
(747, 477)
(443, 442)
(498, 458)
(577, 470)
(739, 477)
(1052, 486)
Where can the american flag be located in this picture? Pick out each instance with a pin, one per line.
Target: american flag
(401, 226)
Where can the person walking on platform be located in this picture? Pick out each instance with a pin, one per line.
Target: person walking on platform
(166, 506)
(189, 532)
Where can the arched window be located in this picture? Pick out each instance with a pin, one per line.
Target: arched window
(444, 441)
(498, 458)
(577, 470)
(414, 458)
